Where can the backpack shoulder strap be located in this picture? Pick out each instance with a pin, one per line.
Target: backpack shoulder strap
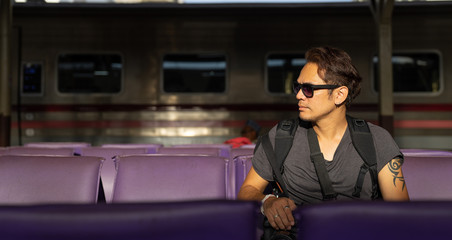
(364, 145)
(285, 132)
(278, 182)
(317, 158)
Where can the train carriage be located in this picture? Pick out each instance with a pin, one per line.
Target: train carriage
(172, 74)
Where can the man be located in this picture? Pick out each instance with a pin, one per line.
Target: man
(249, 134)
(324, 89)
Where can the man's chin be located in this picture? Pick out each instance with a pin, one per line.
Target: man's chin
(305, 117)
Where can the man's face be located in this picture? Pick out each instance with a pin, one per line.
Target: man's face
(321, 103)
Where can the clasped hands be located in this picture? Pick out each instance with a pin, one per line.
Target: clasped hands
(279, 212)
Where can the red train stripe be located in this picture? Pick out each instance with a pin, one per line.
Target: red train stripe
(225, 107)
(426, 124)
(136, 124)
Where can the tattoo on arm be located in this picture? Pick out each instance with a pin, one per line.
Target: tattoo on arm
(395, 167)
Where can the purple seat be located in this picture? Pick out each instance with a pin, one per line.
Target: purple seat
(424, 152)
(375, 220)
(225, 151)
(200, 220)
(75, 145)
(242, 167)
(190, 150)
(428, 178)
(108, 172)
(239, 167)
(152, 148)
(225, 148)
(151, 178)
(33, 179)
(3, 150)
(252, 146)
(40, 151)
(241, 151)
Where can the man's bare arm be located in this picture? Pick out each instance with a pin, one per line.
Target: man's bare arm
(392, 183)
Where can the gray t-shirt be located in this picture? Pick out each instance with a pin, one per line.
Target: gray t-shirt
(299, 172)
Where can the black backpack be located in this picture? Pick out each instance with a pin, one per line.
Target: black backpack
(362, 141)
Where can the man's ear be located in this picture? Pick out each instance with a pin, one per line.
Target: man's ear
(340, 95)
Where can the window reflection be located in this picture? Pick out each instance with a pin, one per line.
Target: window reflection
(282, 70)
(89, 73)
(194, 73)
(413, 72)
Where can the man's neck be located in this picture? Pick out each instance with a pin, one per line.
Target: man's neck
(331, 127)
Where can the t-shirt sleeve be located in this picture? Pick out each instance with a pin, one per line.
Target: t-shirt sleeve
(385, 146)
(260, 162)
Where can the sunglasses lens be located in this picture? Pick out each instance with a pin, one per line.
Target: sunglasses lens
(296, 87)
(307, 90)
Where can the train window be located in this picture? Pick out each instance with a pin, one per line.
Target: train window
(413, 72)
(32, 79)
(89, 73)
(282, 70)
(194, 73)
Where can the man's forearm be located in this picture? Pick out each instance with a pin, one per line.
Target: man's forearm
(250, 193)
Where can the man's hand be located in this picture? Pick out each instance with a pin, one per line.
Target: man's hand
(279, 212)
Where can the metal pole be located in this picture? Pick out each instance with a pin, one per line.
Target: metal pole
(382, 11)
(5, 71)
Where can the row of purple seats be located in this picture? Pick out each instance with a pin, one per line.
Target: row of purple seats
(201, 220)
(108, 152)
(31, 179)
(78, 146)
(422, 183)
(221, 219)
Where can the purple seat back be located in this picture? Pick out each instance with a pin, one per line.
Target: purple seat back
(3, 150)
(238, 168)
(190, 150)
(33, 179)
(145, 178)
(40, 151)
(375, 220)
(75, 145)
(428, 178)
(225, 148)
(242, 167)
(241, 151)
(108, 172)
(252, 146)
(202, 220)
(424, 152)
(151, 148)
(225, 151)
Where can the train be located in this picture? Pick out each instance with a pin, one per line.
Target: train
(180, 74)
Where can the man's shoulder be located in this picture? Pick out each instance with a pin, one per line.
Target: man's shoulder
(376, 129)
(298, 123)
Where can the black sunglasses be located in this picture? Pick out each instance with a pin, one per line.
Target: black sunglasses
(308, 89)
